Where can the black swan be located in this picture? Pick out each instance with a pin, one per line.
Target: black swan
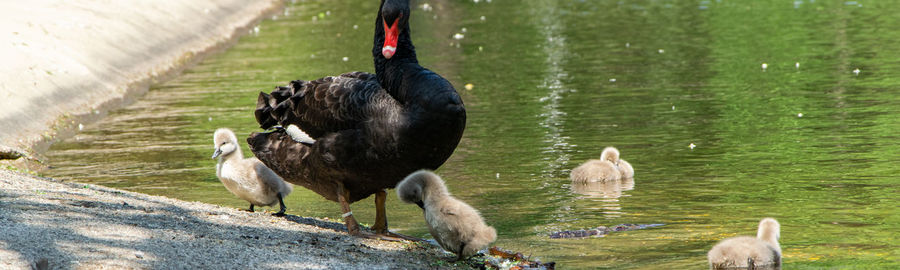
(350, 136)
(455, 225)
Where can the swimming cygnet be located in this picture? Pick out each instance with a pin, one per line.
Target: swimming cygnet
(612, 155)
(248, 178)
(455, 225)
(746, 252)
(603, 169)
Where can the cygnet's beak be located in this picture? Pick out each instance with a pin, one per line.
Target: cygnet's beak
(421, 205)
(217, 153)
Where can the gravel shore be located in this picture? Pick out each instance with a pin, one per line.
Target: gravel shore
(83, 226)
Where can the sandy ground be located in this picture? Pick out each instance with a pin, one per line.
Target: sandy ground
(81, 226)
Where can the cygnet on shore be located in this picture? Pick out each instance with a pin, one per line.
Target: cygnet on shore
(249, 179)
(455, 225)
(746, 252)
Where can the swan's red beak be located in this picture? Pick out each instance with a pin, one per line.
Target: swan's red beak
(391, 34)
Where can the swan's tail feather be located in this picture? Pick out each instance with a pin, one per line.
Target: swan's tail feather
(275, 108)
(278, 151)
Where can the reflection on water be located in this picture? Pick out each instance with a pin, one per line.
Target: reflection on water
(606, 192)
(554, 83)
(556, 149)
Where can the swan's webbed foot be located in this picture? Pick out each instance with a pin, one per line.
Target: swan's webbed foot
(251, 209)
(380, 227)
(391, 236)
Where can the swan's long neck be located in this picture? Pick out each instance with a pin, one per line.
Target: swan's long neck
(768, 232)
(390, 72)
(433, 189)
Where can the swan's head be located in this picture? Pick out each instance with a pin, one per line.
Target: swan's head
(225, 142)
(416, 186)
(610, 154)
(769, 230)
(394, 17)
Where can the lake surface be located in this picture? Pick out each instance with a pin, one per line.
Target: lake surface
(554, 82)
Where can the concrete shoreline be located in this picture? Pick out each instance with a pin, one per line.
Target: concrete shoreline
(68, 63)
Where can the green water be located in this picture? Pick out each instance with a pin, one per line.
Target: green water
(543, 101)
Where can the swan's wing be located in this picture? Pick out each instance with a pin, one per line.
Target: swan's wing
(321, 106)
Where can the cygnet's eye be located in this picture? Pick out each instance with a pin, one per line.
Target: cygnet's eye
(223, 143)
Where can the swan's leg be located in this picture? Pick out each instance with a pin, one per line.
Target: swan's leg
(459, 255)
(343, 198)
(380, 226)
(251, 208)
(380, 217)
(281, 203)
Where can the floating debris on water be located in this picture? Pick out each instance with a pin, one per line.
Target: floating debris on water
(355, 27)
(459, 36)
(483, 18)
(765, 66)
(345, 59)
(480, 48)
(601, 231)
(498, 175)
(856, 72)
(692, 146)
(612, 80)
(426, 7)
(673, 107)
(209, 119)
(80, 126)
(469, 86)
(463, 30)
(799, 114)
(662, 51)
(627, 44)
(499, 258)
(797, 65)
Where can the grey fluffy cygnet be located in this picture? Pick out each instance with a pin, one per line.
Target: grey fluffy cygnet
(455, 225)
(746, 252)
(608, 168)
(612, 155)
(623, 166)
(249, 179)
